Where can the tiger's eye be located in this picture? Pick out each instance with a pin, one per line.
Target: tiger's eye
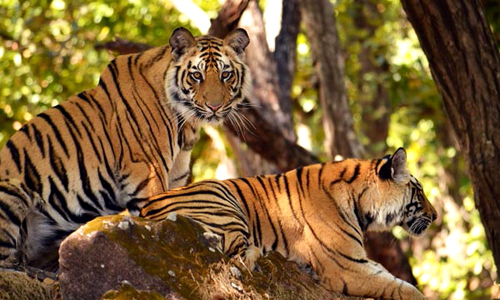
(196, 76)
(226, 75)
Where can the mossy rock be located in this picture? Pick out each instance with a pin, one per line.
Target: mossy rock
(174, 259)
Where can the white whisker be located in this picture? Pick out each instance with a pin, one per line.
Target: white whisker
(239, 130)
(245, 123)
(243, 118)
(186, 116)
(249, 104)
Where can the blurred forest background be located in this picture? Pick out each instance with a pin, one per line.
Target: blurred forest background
(48, 52)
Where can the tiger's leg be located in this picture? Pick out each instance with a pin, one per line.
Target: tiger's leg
(368, 279)
(381, 282)
(251, 255)
(235, 242)
(14, 206)
(239, 247)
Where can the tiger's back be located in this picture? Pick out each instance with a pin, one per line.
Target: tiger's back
(315, 215)
(111, 147)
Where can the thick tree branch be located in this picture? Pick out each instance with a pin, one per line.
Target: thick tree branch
(122, 46)
(268, 141)
(265, 90)
(228, 17)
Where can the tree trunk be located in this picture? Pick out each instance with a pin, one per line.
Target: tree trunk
(265, 90)
(285, 51)
(266, 94)
(321, 30)
(268, 141)
(465, 65)
(250, 162)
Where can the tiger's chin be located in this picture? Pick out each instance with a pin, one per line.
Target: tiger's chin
(198, 117)
(212, 120)
(418, 227)
(200, 120)
(218, 117)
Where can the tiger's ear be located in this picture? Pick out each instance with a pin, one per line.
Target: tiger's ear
(395, 167)
(181, 41)
(238, 40)
(399, 172)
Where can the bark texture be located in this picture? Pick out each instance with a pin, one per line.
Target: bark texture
(321, 30)
(465, 65)
(285, 52)
(227, 18)
(265, 90)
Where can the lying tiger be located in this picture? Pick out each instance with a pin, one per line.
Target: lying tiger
(113, 146)
(315, 215)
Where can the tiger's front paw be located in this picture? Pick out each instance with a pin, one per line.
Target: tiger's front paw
(410, 292)
(251, 255)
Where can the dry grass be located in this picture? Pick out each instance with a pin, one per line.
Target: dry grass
(276, 279)
(224, 282)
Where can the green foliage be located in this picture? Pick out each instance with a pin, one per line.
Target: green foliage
(306, 110)
(47, 48)
(493, 14)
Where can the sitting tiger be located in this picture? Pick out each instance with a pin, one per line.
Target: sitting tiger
(314, 215)
(112, 147)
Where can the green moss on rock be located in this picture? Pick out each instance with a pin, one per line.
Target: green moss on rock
(19, 286)
(174, 251)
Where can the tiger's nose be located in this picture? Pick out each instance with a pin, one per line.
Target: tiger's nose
(214, 106)
(433, 217)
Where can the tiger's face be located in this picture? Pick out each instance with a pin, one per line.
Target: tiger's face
(208, 79)
(405, 203)
(418, 211)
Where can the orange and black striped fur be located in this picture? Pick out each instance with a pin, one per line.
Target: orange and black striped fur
(111, 147)
(315, 215)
